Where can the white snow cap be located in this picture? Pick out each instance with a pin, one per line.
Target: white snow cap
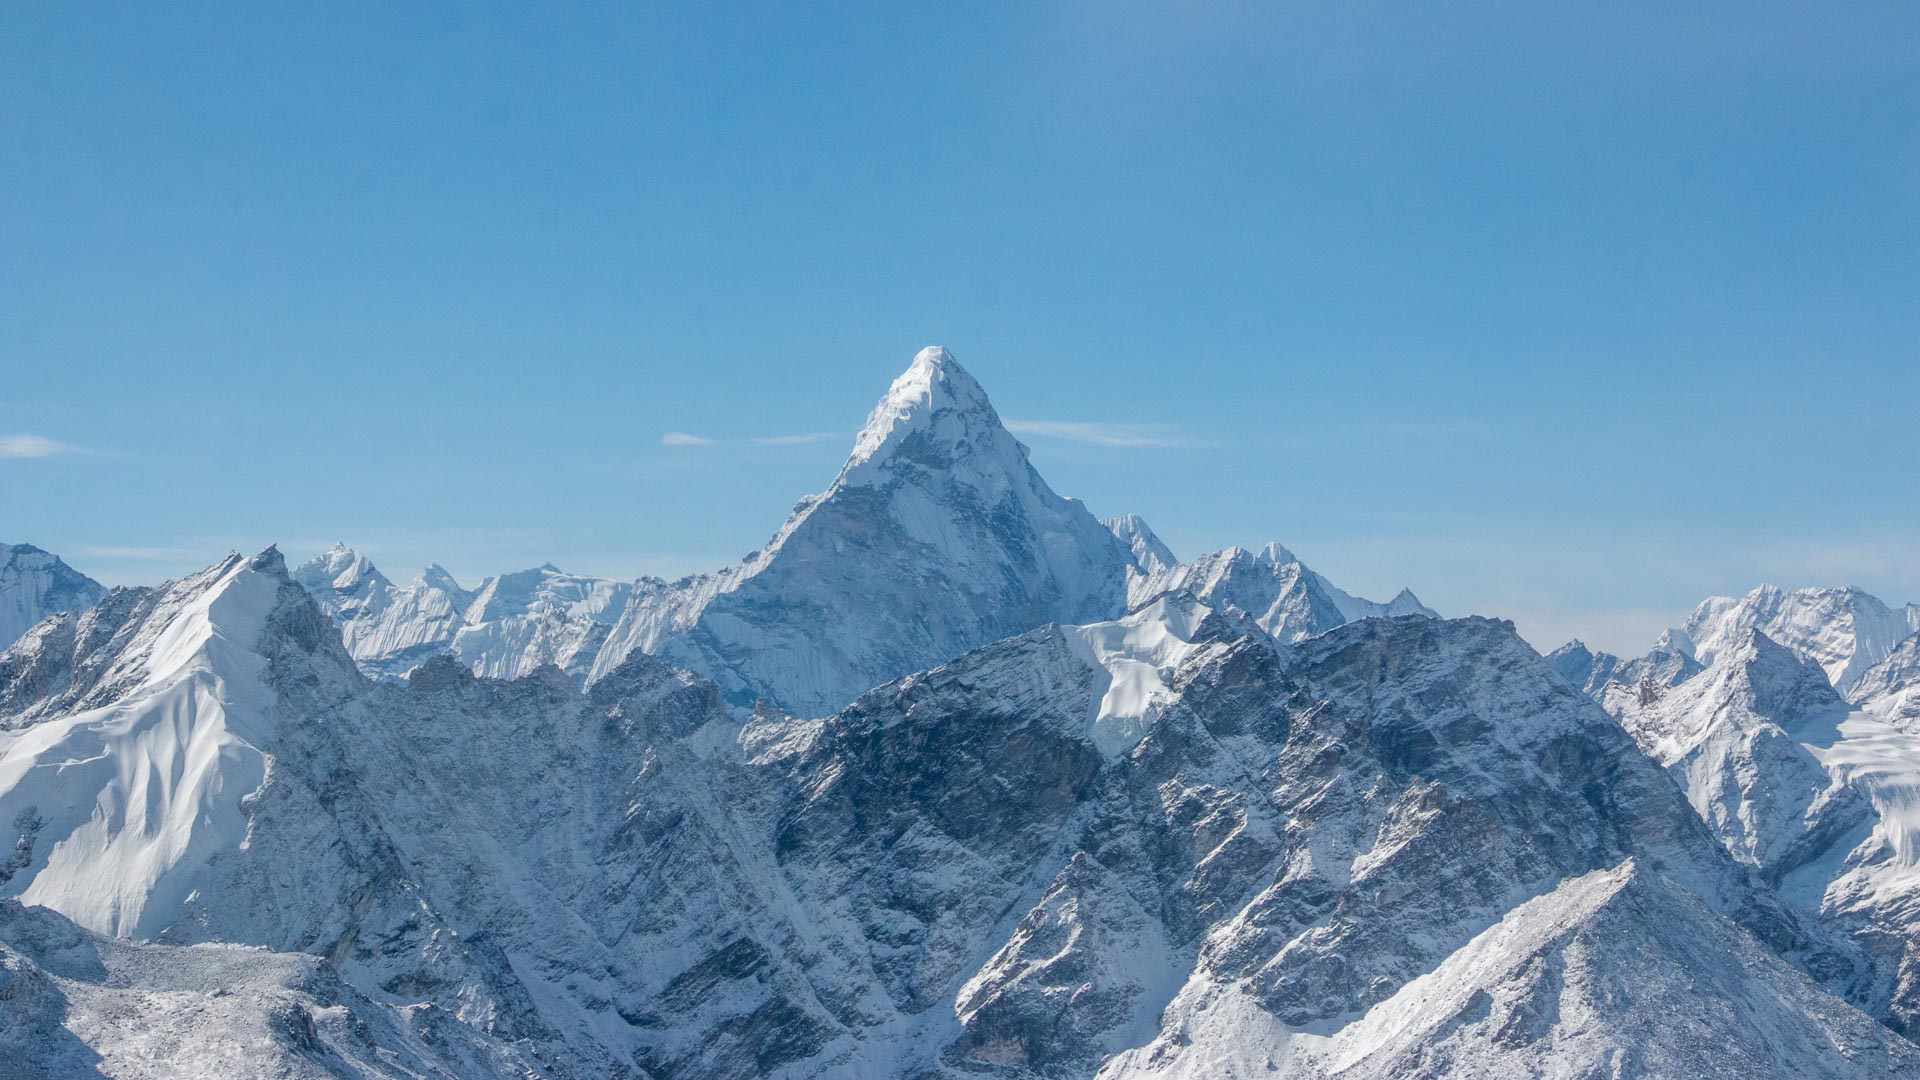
(934, 383)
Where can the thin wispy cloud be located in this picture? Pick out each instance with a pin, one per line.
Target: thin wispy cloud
(796, 440)
(1102, 434)
(35, 446)
(681, 438)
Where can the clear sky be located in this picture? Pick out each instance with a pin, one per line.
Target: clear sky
(1569, 313)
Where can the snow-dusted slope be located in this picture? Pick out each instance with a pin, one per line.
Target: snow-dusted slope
(1617, 972)
(1275, 830)
(936, 537)
(35, 584)
(76, 1004)
(1725, 734)
(1844, 630)
(1285, 598)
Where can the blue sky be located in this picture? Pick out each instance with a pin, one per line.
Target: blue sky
(1572, 316)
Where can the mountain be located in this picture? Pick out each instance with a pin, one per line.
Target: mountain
(1285, 598)
(1819, 790)
(35, 584)
(937, 536)
(124, 793)
(509, 626)
(1166, 834)
(389, 629)
(1724, 732)
(1844, 630)
(1150, 555)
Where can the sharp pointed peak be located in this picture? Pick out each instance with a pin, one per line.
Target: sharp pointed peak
(934, 396)
(1276, 553)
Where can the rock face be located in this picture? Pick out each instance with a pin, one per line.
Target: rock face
(35, 584)
(1146, 845)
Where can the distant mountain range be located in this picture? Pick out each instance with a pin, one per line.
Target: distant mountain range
(949, 779)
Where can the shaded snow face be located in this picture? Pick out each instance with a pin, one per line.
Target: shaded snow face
(35, 584)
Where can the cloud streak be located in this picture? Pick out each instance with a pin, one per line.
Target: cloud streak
(34, 446)
(1101, 434)
(681, 438)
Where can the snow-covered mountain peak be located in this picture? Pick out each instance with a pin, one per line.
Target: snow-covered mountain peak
(1149, 553)
(1844, 629)
(1275, 554)
(1273, 587)
(934, 416)
(345, 568)
(435, 576)
(133, 792)
(1770, 679)
(35, 584)
(1891, 688)
(937, 536)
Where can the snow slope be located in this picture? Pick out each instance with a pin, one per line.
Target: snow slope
(121, 805)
